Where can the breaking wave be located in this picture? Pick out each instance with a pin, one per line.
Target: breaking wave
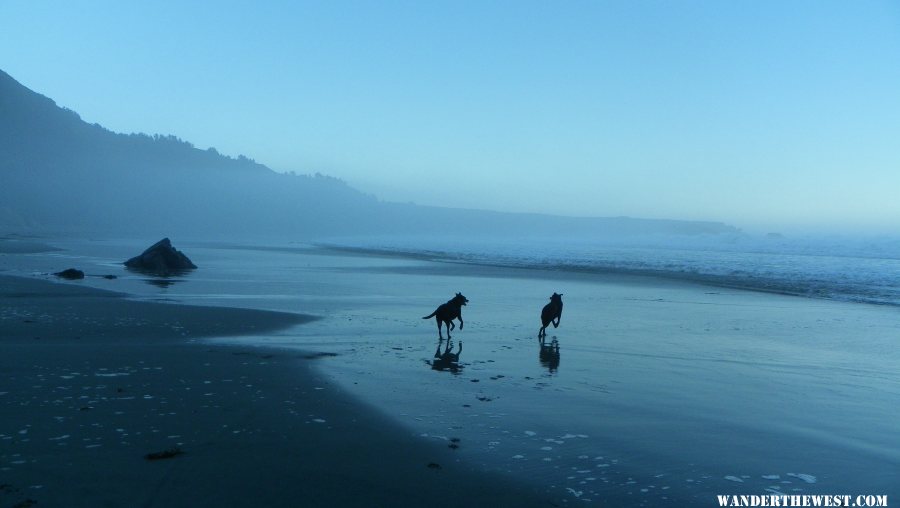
(858, 270)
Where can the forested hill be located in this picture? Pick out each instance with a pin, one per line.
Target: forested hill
(37, 134)
(61, 174)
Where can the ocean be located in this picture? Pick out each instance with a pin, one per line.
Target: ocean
(856, 269)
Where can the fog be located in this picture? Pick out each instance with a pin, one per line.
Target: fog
(755, 116)
(63, 175)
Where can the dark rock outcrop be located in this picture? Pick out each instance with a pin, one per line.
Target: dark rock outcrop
(70, 273)
(161, 259)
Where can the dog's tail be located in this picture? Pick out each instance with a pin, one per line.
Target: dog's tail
(430, 315)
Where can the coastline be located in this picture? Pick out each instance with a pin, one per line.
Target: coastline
(736, 279)
(93, 382)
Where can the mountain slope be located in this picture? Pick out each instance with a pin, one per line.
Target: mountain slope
(65, 174)
(62, 174)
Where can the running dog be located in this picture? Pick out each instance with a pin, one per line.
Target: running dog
(551, 313)
(449, 311)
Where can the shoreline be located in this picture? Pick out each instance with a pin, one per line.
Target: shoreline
(94, 382)
(766, 286)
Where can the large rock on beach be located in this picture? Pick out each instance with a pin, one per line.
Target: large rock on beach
(161, 258)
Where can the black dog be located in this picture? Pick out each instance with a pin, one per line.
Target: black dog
(449, 311)
(551, 313)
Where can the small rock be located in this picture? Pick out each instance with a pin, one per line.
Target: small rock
(70, 274)
(165, 454)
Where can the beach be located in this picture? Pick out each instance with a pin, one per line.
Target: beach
(660, 393)
(92, 383)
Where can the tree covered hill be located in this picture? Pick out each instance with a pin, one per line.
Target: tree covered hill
(61, 174)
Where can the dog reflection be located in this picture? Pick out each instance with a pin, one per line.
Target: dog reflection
(447, 360)
(549, 354)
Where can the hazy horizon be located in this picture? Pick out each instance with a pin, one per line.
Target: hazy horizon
(765, 116)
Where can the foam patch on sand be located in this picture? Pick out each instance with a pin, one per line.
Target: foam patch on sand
(808, 478)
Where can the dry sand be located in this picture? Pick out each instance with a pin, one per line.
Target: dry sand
(90, 383)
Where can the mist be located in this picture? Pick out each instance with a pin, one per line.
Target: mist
(695, 113)
(65, 175)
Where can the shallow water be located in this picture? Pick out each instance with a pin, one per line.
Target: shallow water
(664, 392)
(845, 269)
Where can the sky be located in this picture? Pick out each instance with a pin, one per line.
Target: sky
(767, 115)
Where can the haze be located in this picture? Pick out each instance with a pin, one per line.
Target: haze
(764, 115)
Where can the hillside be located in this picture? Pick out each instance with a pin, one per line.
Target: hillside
(61, 174)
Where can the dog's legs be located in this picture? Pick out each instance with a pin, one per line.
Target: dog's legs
(448, 330)
(556, 323)
(439, 328)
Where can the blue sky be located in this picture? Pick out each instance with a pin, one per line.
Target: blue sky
(765, 115)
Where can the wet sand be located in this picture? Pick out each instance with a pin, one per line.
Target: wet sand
(662, 393)
(92, 383)
(665, 393)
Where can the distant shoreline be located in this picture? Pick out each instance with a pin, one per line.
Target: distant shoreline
(23, 245)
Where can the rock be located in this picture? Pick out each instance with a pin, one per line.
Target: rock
(162, 259)
(165, 454)
(71, 274)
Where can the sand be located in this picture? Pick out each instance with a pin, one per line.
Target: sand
(93, 382)
(664, 393)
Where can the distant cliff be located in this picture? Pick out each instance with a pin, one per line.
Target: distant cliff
(61, 174)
